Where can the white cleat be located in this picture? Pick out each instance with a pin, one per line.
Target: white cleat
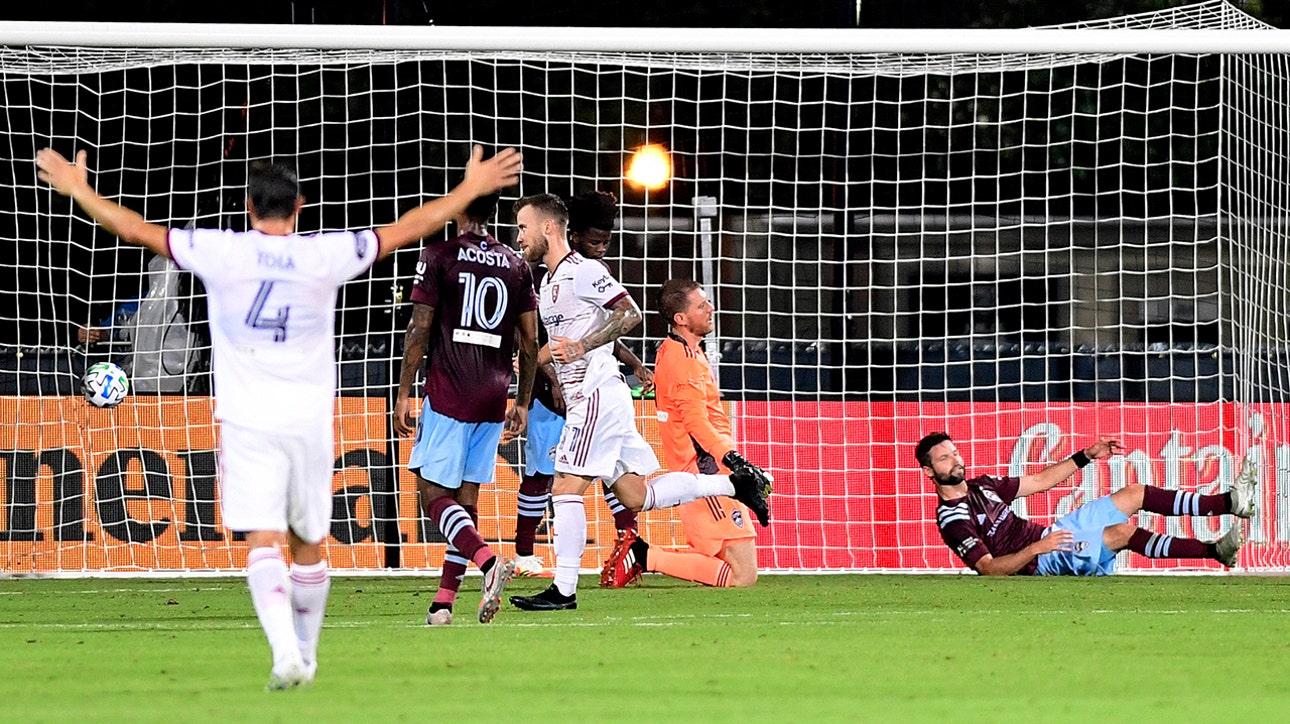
(494, 583)
(442, 617)
(1228, 548)
(1245, 489)
(289, 674)
(531, 567)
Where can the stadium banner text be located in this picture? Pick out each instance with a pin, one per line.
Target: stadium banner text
(849, 494)
(135, 488)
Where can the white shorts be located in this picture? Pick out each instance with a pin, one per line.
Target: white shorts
(600, 439)
(272, 482)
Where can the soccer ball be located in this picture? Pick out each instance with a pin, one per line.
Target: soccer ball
(105, 384)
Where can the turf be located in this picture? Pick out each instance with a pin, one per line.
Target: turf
(795, 648)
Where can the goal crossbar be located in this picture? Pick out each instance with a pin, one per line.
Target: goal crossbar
(646, 40)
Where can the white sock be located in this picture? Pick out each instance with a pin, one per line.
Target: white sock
(570, 540)
(671, 489)
(266, 576)
(309, 588)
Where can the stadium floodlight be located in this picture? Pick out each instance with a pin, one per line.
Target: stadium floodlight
(1027, 237)
(650, 167)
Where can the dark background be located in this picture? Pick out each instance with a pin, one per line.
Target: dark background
(593, 13)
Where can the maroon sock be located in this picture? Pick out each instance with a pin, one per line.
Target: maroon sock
(1157, 545)
(530, 507)
(454, 569)
(1177, 502)
(455, 524)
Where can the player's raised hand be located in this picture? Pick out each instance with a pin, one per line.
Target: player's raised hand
(485, 177)
(63, 175)
(1103, 448)
(404, 423)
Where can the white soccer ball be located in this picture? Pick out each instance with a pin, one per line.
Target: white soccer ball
(105, 384)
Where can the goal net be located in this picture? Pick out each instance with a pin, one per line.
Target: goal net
(1026, 249)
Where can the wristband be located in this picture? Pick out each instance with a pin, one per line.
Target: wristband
(1080, 459)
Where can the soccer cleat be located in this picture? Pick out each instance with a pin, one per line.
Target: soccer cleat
(531, 567)
(1245, 488)
(622, 567)
(549, 600)
(494, 583)
(442, 617)
(752, 485)
(1227, 548)
(289, 674)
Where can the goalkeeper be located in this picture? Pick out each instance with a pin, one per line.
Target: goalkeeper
(977, 524)
(696, 435)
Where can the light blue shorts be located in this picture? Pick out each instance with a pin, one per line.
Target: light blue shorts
(540, 440)
(448, 451)
(1088, 556)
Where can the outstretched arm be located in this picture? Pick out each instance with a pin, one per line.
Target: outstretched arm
(72, 179)
(482, 178)
(1059, 471)
(623, 318)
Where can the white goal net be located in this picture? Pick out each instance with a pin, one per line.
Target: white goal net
(1025, 249)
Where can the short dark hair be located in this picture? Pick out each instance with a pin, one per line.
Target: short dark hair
(273, 189)
(548, 205)
(674, 298)
(593, 210)
(483, 207)
(923, 452)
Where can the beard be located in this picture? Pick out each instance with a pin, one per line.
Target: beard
(956, 475)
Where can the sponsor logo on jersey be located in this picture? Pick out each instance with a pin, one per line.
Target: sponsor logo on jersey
(967, 545)
(1081, 546)
(737, 517)
(360, 246)
(603, 283)
(420, 274)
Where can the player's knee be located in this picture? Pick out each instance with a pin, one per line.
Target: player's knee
(1116, 537)
(742, 577)
(1129, 496)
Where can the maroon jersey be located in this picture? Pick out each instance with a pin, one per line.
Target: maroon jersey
(478, 287)
(981, 522)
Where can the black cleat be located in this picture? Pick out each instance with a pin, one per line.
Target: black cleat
(752, 485)
(549, 600)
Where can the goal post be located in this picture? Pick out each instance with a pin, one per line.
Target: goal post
(1023, 237)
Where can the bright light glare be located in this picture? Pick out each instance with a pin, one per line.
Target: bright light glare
(650, 167)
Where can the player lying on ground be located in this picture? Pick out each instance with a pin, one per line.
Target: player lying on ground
(977, 524)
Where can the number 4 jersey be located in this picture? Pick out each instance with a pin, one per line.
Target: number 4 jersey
(272, 306)
(478, 288)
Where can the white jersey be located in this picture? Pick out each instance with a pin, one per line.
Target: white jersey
(574, 301)
(272, 303)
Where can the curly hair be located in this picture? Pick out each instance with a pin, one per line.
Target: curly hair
(593, 210)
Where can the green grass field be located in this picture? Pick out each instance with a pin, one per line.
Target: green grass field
(795, 648)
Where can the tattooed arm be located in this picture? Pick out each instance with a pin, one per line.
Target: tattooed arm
(624, 316)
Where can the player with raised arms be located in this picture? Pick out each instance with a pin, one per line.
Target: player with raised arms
(272, 301)
(585, 309)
